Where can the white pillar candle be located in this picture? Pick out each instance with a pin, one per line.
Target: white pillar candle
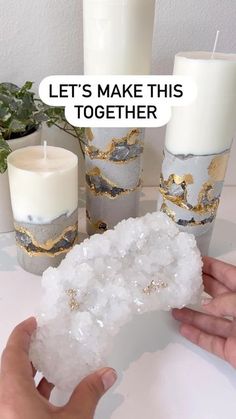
(44, 195)
(43, 188)
(207, 125)
(118, 36)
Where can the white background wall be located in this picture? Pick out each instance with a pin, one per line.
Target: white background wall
(43, 37)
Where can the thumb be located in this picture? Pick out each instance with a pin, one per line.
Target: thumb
(86, 396)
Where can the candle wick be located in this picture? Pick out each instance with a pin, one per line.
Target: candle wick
(45, 144)
(215, 44)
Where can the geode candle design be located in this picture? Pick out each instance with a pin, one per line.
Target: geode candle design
(113, 176)
(117, 41)
(44, 195)
(190, 190)
(198, 142)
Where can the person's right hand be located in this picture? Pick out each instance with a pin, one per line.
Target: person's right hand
(214, 330)
(20, 399)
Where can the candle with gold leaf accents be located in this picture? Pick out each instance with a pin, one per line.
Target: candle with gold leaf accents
(117, 41)
(198, 141)
(44, 195)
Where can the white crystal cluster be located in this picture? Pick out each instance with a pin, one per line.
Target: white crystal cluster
(144, 264)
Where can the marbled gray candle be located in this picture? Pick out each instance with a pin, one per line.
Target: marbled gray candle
(40, 246)
(190, 190)
(113, 176)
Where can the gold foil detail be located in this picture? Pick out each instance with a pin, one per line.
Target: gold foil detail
(185, 223)
(175, 180)
(168, 211)
(206, 197)
(206, 201)
(49, 244)
(218, 166)
(186, 179)
(106, 187)
(131, 140)
(155, 286)
(73, 302)
(206, 193)
(94, 172)
(132, 136)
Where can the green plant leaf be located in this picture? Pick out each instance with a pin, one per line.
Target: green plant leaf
(17, 110)
(5, 115)
(4, 153)
(8, 87)
(17, 126)
(21, 111)
(27, 86)
(41, 116)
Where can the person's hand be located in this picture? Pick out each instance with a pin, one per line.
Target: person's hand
(20, 399)
(214, 331)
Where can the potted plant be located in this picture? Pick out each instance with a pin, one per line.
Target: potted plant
(20, 126)
(21, 118)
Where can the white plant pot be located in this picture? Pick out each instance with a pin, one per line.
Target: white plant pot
(6, 217)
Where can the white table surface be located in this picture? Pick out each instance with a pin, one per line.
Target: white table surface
(161, 375)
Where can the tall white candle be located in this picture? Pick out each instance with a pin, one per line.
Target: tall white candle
(43, 187)
(118, 36)
(117, 41)
(207, 125)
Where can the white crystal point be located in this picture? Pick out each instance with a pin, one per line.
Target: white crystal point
(144, 264)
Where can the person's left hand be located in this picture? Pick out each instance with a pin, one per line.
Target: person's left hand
(20, 399)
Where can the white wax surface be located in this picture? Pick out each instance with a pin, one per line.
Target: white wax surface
(43, 189)
(207, 126)
(118, 36)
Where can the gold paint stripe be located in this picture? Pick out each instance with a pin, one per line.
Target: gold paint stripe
(190, 223)
(51, 255)
(130, 139)
(198, 209)
(46, 247)
(96, 172)
(49, 243)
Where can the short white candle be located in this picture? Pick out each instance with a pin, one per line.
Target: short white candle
(43, 187)
(118, 36)
(207, 126)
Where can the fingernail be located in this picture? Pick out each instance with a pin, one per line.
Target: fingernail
(109, 377)
(206, 301)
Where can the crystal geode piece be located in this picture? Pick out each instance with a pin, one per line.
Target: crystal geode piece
(144, 264)
(124, 151)
(120, 152)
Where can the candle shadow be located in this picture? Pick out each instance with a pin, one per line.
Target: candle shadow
(224, 238)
